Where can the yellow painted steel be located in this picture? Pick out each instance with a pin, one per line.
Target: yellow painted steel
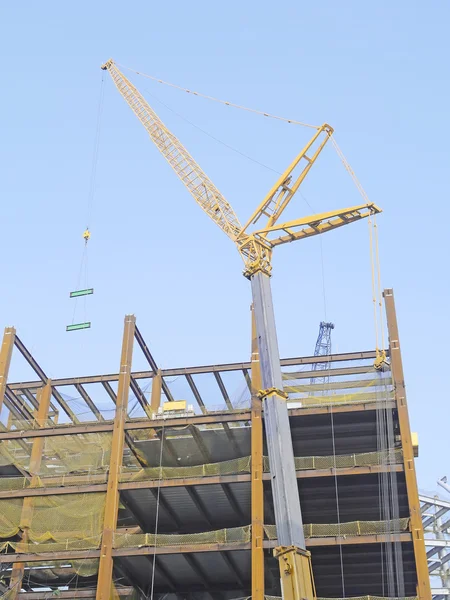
(234, 466)
(296, 576)
(43, 397)
(255, 247)
(420, 555)
(257, 471)
(175, 405)
(118, 437)
(5, 359)
(155, 400)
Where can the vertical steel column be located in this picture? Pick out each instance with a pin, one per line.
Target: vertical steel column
(257, 469)
(105, 584)
(44, 397)
(288, 514)
(5, 360)
(155, 401)
(423, 580)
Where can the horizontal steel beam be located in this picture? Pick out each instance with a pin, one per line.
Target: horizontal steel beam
(437, 543)
(68, 488)
(194, 548)
(217, 418)
(74, 593)
(435, 501)
(285, 362)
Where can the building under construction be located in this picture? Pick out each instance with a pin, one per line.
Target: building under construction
(166, 493)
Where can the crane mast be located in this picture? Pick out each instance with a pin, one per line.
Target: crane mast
(256, 250)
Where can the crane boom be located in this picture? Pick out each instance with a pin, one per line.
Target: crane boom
(256, 249)
(197, 182)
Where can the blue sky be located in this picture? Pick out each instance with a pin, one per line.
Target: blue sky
(376, 71)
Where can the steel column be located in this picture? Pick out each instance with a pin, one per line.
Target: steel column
(43, 396)
(104, 584)
(155, 401)
(257, 473)
(5, 359)
(423, 581)
(278, 434)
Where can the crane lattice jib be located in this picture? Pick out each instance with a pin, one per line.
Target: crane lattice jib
(197, 182)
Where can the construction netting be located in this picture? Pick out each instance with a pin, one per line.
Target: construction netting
(228, 467)
(346, 598)
(84, 538)
(74, 517)
(83, 453)
(240, 535)
(352, 528)
(236, 466)
(359, 389)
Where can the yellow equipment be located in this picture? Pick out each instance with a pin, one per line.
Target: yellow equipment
(255, 245)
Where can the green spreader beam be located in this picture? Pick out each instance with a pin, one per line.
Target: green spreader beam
(78, 293)
(76, 326)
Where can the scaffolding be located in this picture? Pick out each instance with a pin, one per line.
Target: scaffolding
(102, 496)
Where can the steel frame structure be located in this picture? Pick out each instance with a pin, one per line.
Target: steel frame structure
(25, 401)
(436, 524)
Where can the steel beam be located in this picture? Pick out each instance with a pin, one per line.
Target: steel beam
(257, 473)
(90, 404)
(152, 363)
(117, 443)
(288, 516)
(164, 572)
(243, 416)
(109, 391)
(139, 394)
(194, 548)
(69, 485)
(155, 401)
(43, 377)
(233, 568)
(69, 594)
(156, 493)
(223, 390)
(423, 580)
(246, 366)
(196, 393)
(18, 569)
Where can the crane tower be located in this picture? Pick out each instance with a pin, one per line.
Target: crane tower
(323, 348)
(255, 241)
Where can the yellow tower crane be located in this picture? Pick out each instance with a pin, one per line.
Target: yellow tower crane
(255, 245)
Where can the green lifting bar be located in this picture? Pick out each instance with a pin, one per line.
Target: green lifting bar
(77, 326)
(78, 293)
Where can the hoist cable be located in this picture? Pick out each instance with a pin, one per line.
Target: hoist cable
(225, 102)
(380, 292)
(257, 112)
(374, 292)
(95, 152)
(158, 498)
(89, 205)
(213, 137)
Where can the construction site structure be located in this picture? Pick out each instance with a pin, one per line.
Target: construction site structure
(180, 506)
(255, 242)
(436, 524)
(323, 348)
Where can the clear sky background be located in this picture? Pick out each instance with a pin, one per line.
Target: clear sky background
(376, 71)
